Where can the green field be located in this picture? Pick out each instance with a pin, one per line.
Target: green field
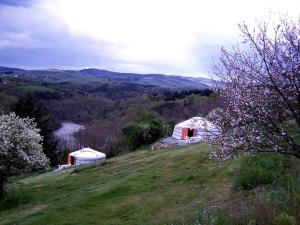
(35, 88)
(168, 186)
(139, 188)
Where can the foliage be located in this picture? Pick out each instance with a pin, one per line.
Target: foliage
(285, 194)
(284, 219)
(171, 96)
(261, 169)
(261, 85)
(206, 215)
(35, 88)
(105, 137)
(20, 147)
(276, 196)
(269, 197)
(145, 130)
(103, 105)
(5, 101)
(27, 106)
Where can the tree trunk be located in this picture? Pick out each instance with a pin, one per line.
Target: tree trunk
(2, 180)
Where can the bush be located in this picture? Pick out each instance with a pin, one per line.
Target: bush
(284, 219)
(145, 130)
(285, 194)
(261, 169)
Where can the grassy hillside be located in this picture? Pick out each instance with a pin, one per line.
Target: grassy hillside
(143, 187)
(178, 186)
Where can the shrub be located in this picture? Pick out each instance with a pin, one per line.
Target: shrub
(261, 169)
(254, 177)
(284, 219)
(285, 194)
(20, 147)
(145, 130)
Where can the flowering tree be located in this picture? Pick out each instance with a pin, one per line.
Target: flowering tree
(261, 85)
(20, 147)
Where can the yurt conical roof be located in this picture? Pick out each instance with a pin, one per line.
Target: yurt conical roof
(88, 153)
(196, 123)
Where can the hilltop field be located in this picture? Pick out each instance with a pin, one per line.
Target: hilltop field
(180, 185)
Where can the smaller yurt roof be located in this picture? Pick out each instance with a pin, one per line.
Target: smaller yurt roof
(197, 123)
(88, 153)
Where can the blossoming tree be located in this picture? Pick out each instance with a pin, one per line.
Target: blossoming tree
(20, 147)
(260, 81)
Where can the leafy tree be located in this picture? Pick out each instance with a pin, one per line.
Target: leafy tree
(20, 147)
(145, 130)
(27, 106)
(261, 85)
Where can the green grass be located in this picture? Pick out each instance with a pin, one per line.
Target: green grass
(13, 200)
(144, 187)
(35, 88)
(176, 186)
(261, 169)
(266, 191)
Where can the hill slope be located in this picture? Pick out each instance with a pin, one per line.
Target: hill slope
(176, 186)
(144, 187)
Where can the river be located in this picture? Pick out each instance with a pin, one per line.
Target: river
(66, 132)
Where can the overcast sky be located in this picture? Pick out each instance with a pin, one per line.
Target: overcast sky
(142, 36)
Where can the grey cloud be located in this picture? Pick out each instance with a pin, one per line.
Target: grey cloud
(29, 38)
(17, 2)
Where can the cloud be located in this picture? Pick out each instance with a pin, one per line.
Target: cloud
(173, 37)
(36, 37)
(21, 3)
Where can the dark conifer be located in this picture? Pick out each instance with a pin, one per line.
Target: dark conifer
(28, 106)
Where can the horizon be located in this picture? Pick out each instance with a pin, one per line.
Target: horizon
(86, 68)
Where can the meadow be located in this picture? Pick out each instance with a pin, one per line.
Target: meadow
(179, 185)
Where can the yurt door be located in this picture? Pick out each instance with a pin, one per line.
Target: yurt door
(72, 160)
(190, 133)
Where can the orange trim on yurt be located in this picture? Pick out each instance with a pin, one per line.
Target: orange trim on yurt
(184, 133)
(69, 162)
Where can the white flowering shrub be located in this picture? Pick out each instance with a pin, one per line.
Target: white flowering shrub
(20, 147)
(261, 85)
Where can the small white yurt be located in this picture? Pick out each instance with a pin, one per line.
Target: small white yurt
(85, 156)
(197, 127)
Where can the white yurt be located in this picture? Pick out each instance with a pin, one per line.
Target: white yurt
(85, 156)
(196, 127)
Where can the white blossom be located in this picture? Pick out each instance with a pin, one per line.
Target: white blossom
(261, 86)
(20, 146)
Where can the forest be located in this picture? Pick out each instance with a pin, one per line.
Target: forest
(107, 109)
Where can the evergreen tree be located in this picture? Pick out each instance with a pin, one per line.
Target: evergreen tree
(28, 106)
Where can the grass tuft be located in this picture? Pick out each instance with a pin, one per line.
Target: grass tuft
(13, 200)
(261, 169)
(284, 219)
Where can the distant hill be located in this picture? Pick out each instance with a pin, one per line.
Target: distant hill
(104, 76)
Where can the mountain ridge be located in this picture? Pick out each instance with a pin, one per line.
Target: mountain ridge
(94, 75)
